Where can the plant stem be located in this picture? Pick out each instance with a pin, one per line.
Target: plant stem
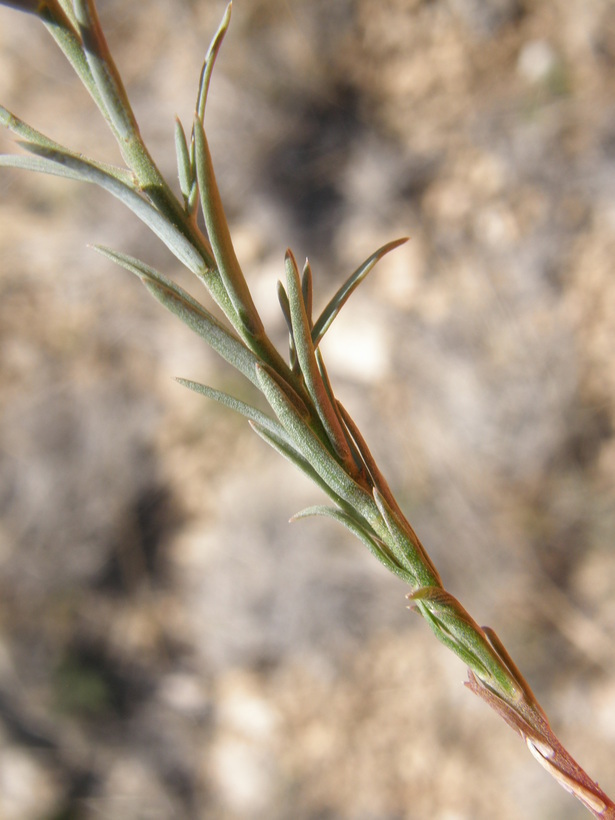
(309, 426)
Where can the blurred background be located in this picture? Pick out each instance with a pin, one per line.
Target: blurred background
(169, 646)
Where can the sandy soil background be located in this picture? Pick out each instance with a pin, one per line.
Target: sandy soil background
(169, 646)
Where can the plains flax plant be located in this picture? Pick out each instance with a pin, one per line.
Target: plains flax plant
(307, 424)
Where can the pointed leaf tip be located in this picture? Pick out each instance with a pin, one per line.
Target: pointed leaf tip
(342, 295)
(210, 60)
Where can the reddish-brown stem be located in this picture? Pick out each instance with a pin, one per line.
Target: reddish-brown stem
(530, 722)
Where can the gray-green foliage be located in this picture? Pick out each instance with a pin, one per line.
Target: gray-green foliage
(307, 424)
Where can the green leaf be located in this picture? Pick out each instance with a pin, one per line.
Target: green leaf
(228, 266)
(284, 304)
(116, 107)
(282, 446)
(40, 166)
(184, 168)
(361, 468)
(246, 410)
(283, 300)
(455, 627)
(25, 131)
(307, 290)
(364, 456)
(359, 528)
(512, 667)
(206, 72)
(61, 163)
(60, 20)
(229, 347)
(31, 138)
(449, 640)
(193, 314)
(325, 319)
(210, 59)
(290, 393)
(302, 338)
(407, 546)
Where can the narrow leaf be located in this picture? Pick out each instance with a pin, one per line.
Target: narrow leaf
(58, 162)
(210, 59)
(407, 546)
(499, 647)
(359, 465)
(61, 23)
(449, 640)
(376, 477)
(325, 319)
(307, 290)
(107, 78)
(282, 446)
(184, 169)
(32, 138)
(41, 166)
(283, 300)
(357, 460)
(246, 410)
(193, 314)
(59, 19)
(471, 643)
(302, 337)
(220, 238)
(206, 72)
(25, 131)
(359, 529)
(290, 394)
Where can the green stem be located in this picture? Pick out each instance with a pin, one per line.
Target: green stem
(312, 429)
